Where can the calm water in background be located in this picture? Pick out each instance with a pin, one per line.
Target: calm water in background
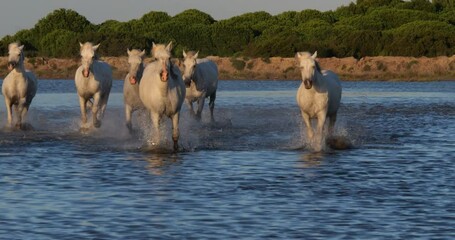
(246, 176)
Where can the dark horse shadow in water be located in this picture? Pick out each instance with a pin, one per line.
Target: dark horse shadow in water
(331, 143)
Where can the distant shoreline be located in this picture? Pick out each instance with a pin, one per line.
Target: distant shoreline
(275, 68)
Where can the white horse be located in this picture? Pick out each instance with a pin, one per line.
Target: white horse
(19, 86)
(93, 81)
(201, 80)
(162, 91)
(131, 84)
(318, 96)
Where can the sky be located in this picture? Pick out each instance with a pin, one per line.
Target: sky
(16, 15)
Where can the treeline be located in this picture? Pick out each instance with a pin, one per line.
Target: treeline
(365, 28)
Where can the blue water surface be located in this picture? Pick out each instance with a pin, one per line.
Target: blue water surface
(246, 176)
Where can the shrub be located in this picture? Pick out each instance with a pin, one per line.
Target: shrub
(238, 64)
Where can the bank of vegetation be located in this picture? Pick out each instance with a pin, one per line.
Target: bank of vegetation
(365, 28)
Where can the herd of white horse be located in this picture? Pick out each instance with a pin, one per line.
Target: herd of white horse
(160, 89)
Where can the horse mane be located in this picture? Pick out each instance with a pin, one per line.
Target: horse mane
(318, 67)
(174, 75)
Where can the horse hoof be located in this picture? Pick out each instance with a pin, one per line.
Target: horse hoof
(84, 130)
(97, 124)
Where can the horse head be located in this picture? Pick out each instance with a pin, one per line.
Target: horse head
(88, 55)
(135, 60)
(308, 67)
(162, 54)
(189, 64)
(15, 55)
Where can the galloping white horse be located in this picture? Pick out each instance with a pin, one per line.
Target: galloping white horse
(162, 91)
(19, 86)
(131, 84)
(318, 96)
(201, 80)
(93, 81)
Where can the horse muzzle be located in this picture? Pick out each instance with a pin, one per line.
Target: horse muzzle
(133, 80)
(308, 84)
(11, 65)
(86, 73)
(187, 82)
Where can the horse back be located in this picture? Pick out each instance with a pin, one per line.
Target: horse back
(334, 90)
(206, 77)
(32, 84)
(103, 73)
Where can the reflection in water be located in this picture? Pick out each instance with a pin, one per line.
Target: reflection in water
(159, 163)
(311, 159)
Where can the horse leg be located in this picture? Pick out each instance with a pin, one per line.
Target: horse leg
(82, 103)
(19, 109)
(332, 120)
(175, 130)
(212, 105)
(200, 103)
(95, 109)
(320, 127)
(190, 106)
(309, 128)
(24, 115)
(156, 126)
(9, 110)
(128, 112)
(103, 105)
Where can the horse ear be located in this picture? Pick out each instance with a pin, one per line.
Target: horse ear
(128, 51)
(80, 44)
(169, 46)
(184, 54)
(96, 47)
(195, 55)
(142, 53)
(298, 55)
(315, 55)
(21, 47)
(153, 45)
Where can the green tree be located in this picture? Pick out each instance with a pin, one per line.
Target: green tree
(63, 19)
(24, 37)
(59, 43)
(257, 21)
(276, 41)
(193, 16)
(421, 38)
(441, 5)
(229, 39)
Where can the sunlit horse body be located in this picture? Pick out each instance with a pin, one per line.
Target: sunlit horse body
(162, 91)
(131, 97)
(318, 96)
(19, 86)
(201, 80)
(93, 81)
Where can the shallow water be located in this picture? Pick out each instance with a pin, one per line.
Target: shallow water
(246, 176)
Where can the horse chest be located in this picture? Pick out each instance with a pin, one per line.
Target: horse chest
(192, 93)
(15, 85)
(312, 102)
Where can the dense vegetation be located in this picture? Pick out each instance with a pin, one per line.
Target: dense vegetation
(364, 28)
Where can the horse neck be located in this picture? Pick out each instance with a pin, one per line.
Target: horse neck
(318, 80)
(20, 65)
(140, 71)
